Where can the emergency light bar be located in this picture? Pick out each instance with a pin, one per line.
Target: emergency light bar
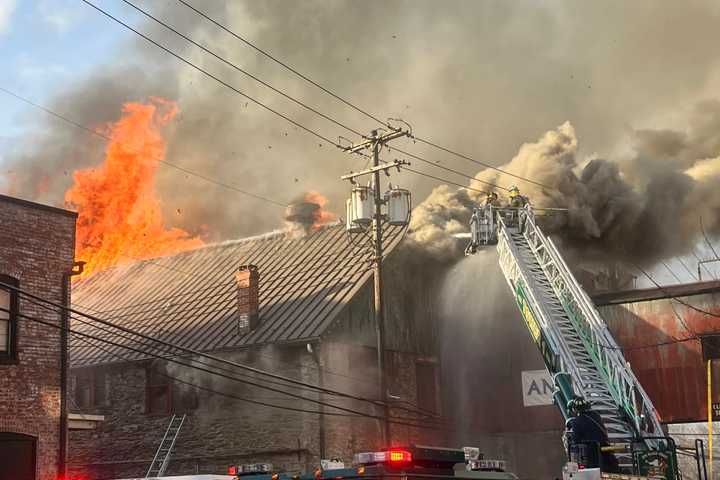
(392, 456)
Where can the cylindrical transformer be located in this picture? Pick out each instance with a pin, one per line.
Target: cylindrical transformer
(351, 225)
(362, 201)
(398, 201)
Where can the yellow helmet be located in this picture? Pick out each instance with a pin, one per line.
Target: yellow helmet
(514, 191)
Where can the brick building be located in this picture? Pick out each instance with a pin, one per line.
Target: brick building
(37, 245)
(299, 306)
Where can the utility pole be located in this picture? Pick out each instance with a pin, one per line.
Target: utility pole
(375, 142)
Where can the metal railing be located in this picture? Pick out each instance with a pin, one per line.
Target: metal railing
(605, 352)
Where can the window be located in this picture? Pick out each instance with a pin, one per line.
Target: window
(159, 391)
(8, 321)
(89, 389)
(426, 382)
(710, 347)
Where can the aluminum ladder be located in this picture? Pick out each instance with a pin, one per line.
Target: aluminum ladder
(162, 456)
(570, 333)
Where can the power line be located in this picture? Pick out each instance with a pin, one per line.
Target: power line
(486, 165)
(283, 64)
(293, 99)
(692, 275)
(164, 162)
(214, 77)
(448, 169)
(353, 106)
(417, 172)
(236, 67)
(218, 373)
(676, 299)
(707, 240)
(210, 390)
(667, 267)
(36, 299)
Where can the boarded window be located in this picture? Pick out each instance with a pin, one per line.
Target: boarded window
(159, 391)
(8, 320)
(426, 381)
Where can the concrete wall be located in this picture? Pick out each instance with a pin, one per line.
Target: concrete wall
(36, 247)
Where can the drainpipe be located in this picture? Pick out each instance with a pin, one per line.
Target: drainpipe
(77, 269)
(314, 350)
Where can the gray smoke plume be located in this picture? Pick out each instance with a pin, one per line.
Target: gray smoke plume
(610, 214)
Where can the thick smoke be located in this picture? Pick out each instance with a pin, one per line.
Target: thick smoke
(477, 76)
(610, 214)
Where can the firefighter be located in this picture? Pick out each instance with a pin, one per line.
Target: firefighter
(491, 200)
(587, 435)
(517, 200)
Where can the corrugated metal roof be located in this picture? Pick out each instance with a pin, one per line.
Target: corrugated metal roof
(655, 293)
(190, 298)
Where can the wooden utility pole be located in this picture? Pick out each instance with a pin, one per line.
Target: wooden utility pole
(375, 142)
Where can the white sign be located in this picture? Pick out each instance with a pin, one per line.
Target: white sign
(537, 388)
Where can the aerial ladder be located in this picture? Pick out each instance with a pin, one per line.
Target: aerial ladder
(576, 345)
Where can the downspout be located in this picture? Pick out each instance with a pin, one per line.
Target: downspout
(315, 353)
(76, 269)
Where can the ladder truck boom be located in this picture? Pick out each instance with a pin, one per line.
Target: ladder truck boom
(576, 345)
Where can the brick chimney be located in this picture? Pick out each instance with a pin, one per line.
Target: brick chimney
(247, 279)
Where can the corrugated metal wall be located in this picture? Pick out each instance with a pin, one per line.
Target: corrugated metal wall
(660, 342)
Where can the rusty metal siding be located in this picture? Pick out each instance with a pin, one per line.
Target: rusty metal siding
(190, 298)
(659, 341)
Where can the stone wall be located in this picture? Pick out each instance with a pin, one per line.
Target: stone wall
(36, 247)
(220, 430)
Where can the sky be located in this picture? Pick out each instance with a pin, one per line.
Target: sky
(483, 77)
(46, 46)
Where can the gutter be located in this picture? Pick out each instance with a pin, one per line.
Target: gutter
(76, 269)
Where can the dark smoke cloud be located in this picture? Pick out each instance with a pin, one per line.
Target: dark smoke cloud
(644, 217)
(478, 76)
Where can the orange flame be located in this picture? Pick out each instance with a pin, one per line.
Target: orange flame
(119, 214)
(323, 216)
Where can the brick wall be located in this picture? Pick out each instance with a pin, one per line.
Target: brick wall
(36, 248)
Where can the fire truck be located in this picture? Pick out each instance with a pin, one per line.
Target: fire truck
(407, 463)
(586, 363)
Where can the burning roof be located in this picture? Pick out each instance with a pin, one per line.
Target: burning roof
(190, 298)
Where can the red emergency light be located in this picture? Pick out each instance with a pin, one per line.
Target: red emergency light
(398, 456)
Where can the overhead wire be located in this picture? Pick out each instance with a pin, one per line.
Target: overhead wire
(424, 174)
(285, 95)
(214, 77)
(163, 162)
(430, 423)
(241, 70)
(210, 390)
(40, 301)
(352, 105)
(227, 85)
(675, 298)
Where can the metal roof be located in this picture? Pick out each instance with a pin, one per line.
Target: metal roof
(656, 293)
(190, 298)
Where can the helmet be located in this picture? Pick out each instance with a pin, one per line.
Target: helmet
(491, 195)
(514, 191)
(578, 405)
